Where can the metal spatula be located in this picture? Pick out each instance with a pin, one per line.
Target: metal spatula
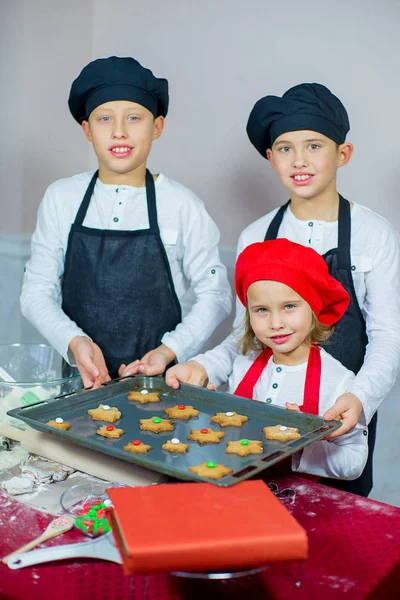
(102, 548)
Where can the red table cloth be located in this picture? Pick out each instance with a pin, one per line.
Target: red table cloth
(354, 552)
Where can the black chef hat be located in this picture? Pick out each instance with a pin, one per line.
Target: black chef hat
(306, 106)
(116, 78)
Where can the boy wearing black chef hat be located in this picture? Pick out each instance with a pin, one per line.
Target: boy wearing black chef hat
(120, 246)
(303, 135)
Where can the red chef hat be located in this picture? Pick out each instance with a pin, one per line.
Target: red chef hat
(298, 267)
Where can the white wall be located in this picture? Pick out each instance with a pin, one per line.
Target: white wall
(11, 109)
(220, 56)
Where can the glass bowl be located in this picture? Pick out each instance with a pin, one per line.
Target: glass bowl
(86, 504)
(30, 373)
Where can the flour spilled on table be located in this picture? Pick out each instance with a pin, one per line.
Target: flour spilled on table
(335, 582)
(9, 459)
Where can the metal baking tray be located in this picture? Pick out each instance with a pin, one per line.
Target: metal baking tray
(73, 408)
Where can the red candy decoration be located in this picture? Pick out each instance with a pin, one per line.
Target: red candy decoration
(181, 406)
(136, 442)
(96, 502)
(110, 427)
(86, 507)
(203, 430)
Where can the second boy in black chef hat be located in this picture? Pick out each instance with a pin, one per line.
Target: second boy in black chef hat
(303, 135)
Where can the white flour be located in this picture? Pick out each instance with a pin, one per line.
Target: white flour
(9, 459)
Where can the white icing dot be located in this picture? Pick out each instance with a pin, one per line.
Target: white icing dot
(59, 420)
(106, 407)
(229, 414)
(144, 392)
(175, 441)
(283, 428)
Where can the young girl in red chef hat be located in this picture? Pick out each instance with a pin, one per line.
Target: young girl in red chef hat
(292, 303)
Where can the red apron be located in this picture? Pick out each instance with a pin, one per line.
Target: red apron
(311, 387)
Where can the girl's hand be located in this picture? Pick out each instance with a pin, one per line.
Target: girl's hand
(292, 406)
(189, 372)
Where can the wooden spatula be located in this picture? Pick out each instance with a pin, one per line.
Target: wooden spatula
(56, 527)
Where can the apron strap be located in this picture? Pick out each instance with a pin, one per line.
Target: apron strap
(151, 203)
(81, 214)
(246, 386)
(344, 231)
(313, 382)
(311, 386)
(272, 232)
(344, 234)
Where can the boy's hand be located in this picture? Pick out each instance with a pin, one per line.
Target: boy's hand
(90, 361)
(152, 363)
(348, 410)
(292, 406)
(189, 372)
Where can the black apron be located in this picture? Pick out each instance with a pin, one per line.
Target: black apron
(349, 340)
(118, 285)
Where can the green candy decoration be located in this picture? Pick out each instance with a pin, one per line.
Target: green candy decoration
(244, 442)
(156, 420)
(211, 465)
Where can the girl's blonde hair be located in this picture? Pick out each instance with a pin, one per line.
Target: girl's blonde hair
(319, 333)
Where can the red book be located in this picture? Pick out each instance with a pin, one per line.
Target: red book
(203, 527)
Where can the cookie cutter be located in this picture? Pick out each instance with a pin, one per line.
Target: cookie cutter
(286, 495)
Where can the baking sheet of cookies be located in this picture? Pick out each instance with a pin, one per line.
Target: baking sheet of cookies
(73, 409)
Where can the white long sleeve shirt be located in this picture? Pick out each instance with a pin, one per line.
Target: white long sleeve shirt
(375, 259)
(188, 233)
(343, 457)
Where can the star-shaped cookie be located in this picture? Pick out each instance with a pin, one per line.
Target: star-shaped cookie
(175, 445)
(244, 447)
(104, 412)
(156, 425)
(180, 411)
(109, 431)
(144, 396)
(229, 419)
(205, 435)
(211, 470)
(137, 447)
(281, 433)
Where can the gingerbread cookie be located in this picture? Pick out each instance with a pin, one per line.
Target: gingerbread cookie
(175, 445)
(205, 435)
(244, 447)
(229, 419)
(59, 423)
(137, 447)
(281, 433)
(180, 411)
(211, 470)
(144, 396)
(104, 412)
(156, 425)
(109, 431)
